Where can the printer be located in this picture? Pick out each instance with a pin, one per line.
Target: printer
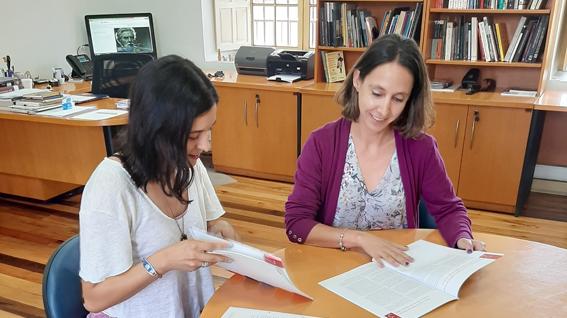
(251, 60)
(294, 63)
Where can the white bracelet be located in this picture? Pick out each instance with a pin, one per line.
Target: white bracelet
(150, 269)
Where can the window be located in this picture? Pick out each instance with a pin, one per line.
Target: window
(289, 24)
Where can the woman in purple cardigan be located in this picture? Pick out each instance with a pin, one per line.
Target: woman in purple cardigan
(370, 169)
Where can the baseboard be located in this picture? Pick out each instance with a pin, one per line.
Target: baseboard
(555, 173)
(549, 187)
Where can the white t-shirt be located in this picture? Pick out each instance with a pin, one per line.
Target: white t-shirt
(119, 225)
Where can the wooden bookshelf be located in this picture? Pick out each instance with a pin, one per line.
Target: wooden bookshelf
(342, 48)
(490, 11)
(377, 9)
(482, 63)
(527, 75)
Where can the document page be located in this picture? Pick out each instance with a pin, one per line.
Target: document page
(433, 279)
(60, 112)
(100, 114)
(383, 291)
(442, 267)
(252, 262)
(239, 312)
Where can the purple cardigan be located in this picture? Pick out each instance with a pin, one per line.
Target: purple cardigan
(320, 170)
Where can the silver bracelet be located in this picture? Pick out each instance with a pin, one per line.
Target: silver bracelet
(341, 244)
(150, 268)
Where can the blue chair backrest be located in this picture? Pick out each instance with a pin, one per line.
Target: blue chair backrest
(426, 221)
(62, 297)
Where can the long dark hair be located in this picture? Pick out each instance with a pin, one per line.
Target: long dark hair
(418, 115)
(165, 98)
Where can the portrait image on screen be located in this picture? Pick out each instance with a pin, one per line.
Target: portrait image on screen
(121, 33)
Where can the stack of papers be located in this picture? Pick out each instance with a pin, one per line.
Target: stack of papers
(86, 97)
(519, 92)
(449, 89)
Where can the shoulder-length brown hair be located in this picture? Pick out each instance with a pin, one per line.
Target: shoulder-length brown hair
(418, 115)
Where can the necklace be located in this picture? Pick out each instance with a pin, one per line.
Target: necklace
(181, 228)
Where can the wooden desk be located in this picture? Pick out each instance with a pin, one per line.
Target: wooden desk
(549, 101)
(529, 281)
(42, 157)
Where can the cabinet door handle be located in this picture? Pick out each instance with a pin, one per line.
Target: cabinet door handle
(256, 110)
(245, 113)
(457, 132)
(476, 118)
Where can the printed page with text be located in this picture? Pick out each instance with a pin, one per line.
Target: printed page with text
(433, 279)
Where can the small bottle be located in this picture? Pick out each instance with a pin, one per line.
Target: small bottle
(67, 103)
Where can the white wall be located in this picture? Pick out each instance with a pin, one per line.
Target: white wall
(43, 32)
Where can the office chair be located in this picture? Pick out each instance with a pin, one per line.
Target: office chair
(113, 73)
(426, 221)
(62, 295)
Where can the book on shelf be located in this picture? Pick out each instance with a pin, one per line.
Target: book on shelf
(433, 279)
(334, 62)
(251, 262)
(502, 40)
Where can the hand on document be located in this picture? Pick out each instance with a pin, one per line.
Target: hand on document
(250, 261)
(189, 255)
(383, 250)
(471, 245)
(223, 229)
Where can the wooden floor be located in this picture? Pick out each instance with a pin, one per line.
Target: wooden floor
(30, 232)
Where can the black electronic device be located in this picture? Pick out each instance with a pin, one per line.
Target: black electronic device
(470, 81)
(300, 63)
(489, 85)
(82, 66)
(114, 73)
(252, 60)
(121, 33)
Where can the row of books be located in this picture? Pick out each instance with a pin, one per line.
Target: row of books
(490, 4)
(345, 25)
(479, 39)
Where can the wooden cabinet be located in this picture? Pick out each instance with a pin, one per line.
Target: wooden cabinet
(483, 148)
(317, 110)
(449, 130)
(256, 133)
(493, 156)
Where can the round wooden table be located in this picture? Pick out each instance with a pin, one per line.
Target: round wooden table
(530, 280)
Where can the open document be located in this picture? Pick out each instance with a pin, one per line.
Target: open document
(239, 312)
(251, 262)
(433, 279)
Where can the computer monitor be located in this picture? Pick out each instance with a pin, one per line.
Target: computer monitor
(121, 33)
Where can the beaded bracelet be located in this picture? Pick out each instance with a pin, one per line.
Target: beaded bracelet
(341, 244)
(150, 268)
